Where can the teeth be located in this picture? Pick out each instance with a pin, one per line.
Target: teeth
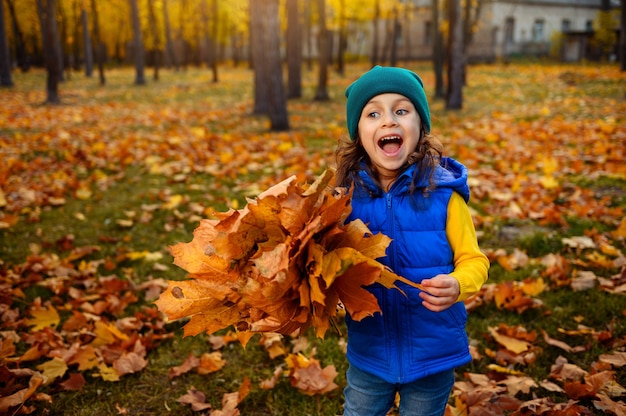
(390, 138)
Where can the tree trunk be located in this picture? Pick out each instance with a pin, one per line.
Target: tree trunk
(20, 48)
(213, 41)
(343, 39)
(308, 23)
(206, 51)
(170, 58)
(438, 52)
(470, 20)
(77, 27)
(376, 36)
(622, 37)
(407, 37)
(324, 52)
(47, 18)
(87, 41)
(5, 58)
(138, 50)
(279, 118)
(455, 62)
(157, 40)
(58, 45)
(395, 34)
(261, 91)
(99, 55)
(235, 43)
(294, 50)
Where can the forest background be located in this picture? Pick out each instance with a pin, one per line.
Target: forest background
(95, 188)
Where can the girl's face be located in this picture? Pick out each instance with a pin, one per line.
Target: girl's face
(389, 129)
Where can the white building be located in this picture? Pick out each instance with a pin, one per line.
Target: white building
(503, 29)
(530, 27)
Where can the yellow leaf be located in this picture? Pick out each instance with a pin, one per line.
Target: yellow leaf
(173, 202)
(83, 192)
(52, 369)
(43, 317)
(533, 287)
(107, 373)
(620, 232)
(512, 344)
(548, 182)
(146, 255)
(198, 132)
(504, 370)
(211, 362)
(106, 334)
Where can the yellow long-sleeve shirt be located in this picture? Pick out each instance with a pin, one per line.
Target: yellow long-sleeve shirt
(471, 265)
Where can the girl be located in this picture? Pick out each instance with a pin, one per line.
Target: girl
(404, 188)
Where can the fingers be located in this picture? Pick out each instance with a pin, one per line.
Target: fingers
(443, 291)
(437, 303)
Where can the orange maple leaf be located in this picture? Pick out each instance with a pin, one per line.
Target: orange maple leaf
(281, 264)
(307, 375)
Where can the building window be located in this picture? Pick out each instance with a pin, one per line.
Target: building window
(589, 26)
(428, 33)
(509, 30)
(538, 30)
(566, 25)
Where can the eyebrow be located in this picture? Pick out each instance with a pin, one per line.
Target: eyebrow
(400, 99)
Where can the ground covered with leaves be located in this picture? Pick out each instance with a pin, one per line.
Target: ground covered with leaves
(95, 191)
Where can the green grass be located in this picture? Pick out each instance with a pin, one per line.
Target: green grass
(112, 131)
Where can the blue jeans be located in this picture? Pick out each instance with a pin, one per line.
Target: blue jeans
(368, 395)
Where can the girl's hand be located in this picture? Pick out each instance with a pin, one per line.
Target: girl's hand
(443, 291)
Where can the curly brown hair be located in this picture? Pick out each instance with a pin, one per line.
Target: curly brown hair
(351, 154)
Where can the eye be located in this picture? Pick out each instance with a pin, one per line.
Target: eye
(373, 114)
(402, 111)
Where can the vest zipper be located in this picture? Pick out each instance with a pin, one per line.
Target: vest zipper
(392, 260)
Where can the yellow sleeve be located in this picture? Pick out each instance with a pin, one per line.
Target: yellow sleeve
(471, 265)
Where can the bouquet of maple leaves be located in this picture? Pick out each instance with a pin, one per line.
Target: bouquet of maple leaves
(281, 264)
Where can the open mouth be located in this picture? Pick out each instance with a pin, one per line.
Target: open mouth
(390, 144)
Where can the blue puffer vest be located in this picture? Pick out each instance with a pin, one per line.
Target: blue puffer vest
(407, 341)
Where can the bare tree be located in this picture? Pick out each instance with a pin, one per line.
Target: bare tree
(5, 59)
(375, 40)
(210, 29)
(407, 25)
(454, 99)
(170, 57)
(261, 93)
(438, 53)
(395, 35)
(99, 52)
(324, 54)
(294, 50)
(86, 40)
(138, 50)
(213, 41)
(47, 18)
(268, 67)
(343, 38)
(156, 37)
(279, 118)
(20, 48)
(622, 37)
(60, 41)
(308, 39)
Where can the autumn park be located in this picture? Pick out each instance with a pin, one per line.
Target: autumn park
(171, 243)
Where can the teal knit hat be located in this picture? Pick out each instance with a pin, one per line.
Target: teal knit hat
(380, 80)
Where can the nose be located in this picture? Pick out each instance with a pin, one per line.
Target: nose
(389, 119)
